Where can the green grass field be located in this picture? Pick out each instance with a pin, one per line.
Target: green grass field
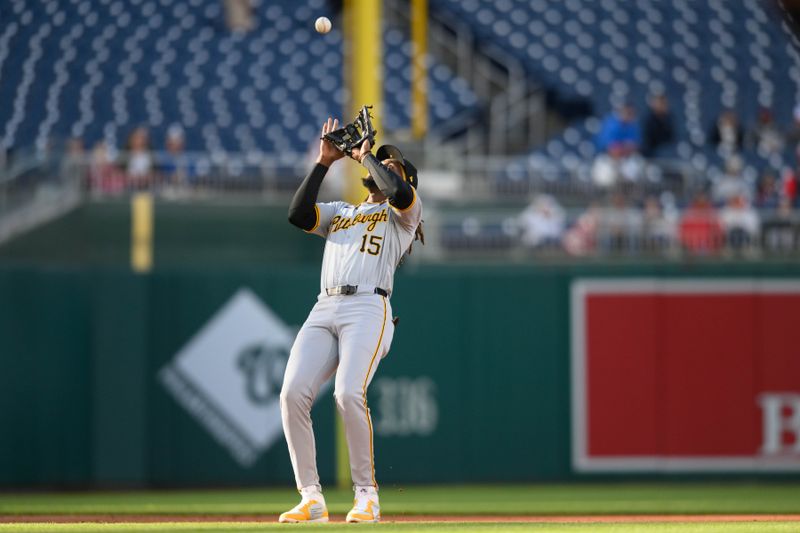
(540, 500)
(232, 527)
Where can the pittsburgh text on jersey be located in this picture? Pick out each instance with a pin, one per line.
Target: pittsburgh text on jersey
(339, 222)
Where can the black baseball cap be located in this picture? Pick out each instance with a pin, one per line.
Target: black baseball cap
(389, 151)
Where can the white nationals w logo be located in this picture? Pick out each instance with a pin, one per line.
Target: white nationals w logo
(263, 367)
(228, 376)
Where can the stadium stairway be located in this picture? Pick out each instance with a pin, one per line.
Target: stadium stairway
(705, 56)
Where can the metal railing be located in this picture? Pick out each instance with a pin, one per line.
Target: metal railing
(513, 118)
(41, 186)
(473, 178)
(501, 179)
(33, 190)
(485, 214)
(111, 173)
(617, 234)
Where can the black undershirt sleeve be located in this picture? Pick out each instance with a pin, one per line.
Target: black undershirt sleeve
(397, 190)
(301, 211)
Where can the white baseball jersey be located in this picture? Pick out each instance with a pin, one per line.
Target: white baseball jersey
(365, 242)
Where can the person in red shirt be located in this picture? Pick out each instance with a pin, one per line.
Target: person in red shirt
(700, 231)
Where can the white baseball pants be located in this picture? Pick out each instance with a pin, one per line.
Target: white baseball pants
(347, 335)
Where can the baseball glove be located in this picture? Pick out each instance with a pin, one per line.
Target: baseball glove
(354, 134)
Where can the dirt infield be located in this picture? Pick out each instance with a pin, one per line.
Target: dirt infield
(147, 518)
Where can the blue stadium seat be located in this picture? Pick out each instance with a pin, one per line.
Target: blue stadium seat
(705, 55)
(97, 69)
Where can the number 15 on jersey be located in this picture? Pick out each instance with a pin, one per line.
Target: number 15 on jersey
(373, 247)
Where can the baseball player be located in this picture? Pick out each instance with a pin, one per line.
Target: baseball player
(350, 328)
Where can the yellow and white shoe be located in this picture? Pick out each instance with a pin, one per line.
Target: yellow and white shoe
(310, 509)
(365, 506)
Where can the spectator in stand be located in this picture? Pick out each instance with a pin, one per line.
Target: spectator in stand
(727, 134)
(766, 137)
(732, 183)
(780, 229)
(658, 225)
(620, 129)
(239, 15)
(105, 178)
(700, 231)
(606, 170)
(619, 225)
(789, 184)
(580, 238)
(657, 128)
(542, 223)
(793, 135)
(138, 160)
(618, 144)
(73, 166)
(769, 194)
(174, 166)
(740, 223)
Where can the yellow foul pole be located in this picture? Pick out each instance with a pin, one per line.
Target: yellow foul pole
(363, 64)
(419, 70)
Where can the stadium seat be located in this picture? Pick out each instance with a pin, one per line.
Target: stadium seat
(98, 69)
(739, 53)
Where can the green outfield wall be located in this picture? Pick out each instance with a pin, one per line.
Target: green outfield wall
(108, 378)
(186, 234)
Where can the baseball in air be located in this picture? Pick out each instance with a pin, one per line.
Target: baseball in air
(323, 25)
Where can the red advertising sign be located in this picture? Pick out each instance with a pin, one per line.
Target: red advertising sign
(686, 375)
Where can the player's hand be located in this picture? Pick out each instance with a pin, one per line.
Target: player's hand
(328, 153)
(361, 152)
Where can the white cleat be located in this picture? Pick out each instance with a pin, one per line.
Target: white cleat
(365, 506)
(310, 509)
